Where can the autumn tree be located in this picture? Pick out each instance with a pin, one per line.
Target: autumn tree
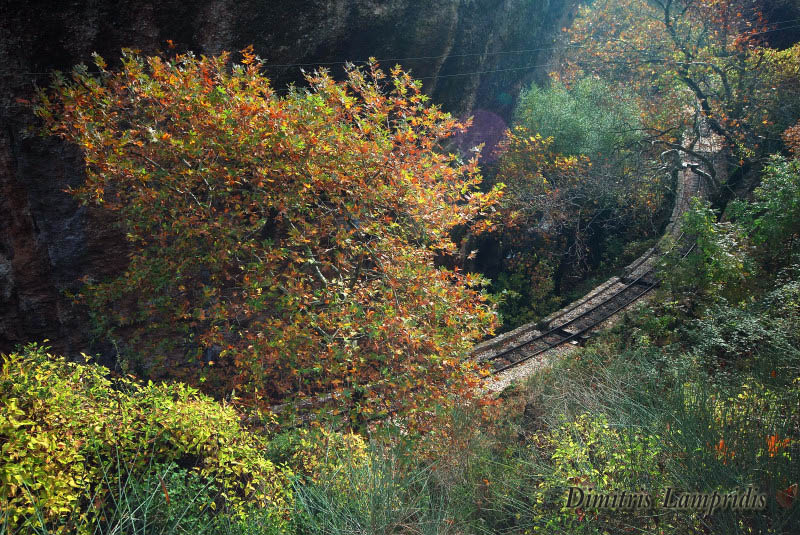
(615, 186)
(693, 64)
(280, 245)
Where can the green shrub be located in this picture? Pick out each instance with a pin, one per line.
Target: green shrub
(773, 216)
(526, 293)
(717, 266)
(64, 428)
(584, 119)
(318, 454)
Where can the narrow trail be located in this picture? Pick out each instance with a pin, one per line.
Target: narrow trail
(519, 353)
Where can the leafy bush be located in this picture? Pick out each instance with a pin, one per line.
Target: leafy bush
(716, 266)
(317, 454)
(735, 336)
(526, 292)
(773, 216)
(70, 436)
(658, 417)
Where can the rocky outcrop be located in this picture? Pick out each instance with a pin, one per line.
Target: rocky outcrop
(48, 243)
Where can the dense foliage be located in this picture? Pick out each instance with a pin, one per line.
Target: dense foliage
(71, 438)
(697, 392)
(645, 90)
(280, 244)
(290, 248)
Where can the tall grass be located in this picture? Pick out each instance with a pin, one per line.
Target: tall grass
(165, 500)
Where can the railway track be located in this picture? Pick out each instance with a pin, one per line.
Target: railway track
(561, 330)
(575, 322)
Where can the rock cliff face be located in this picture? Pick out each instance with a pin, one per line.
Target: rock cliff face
(48, 243)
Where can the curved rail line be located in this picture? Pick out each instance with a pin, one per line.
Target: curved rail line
(637, 264)
(557, 333)
(586, 321)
